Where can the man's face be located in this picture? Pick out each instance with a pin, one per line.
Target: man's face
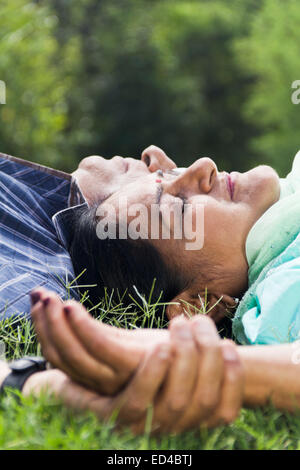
(99, 178)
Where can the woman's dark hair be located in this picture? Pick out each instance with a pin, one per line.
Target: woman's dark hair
(120, 264)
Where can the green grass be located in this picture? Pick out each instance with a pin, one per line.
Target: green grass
(44, 423)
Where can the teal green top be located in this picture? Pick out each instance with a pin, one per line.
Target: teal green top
(269, 312)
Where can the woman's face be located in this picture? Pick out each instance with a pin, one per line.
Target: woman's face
(230, 204)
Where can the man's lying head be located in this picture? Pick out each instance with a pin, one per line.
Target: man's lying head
(99, 177)
(150, 220)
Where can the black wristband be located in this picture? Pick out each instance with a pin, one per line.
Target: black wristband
(21, 369)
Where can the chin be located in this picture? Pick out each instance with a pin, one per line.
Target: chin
(266, 186)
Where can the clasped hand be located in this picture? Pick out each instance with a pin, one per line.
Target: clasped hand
(187, 374)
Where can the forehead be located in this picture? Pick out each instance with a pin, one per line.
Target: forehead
(144, 189)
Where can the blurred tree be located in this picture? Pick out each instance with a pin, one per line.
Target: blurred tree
(197, 77)
(161, 72)
(270, 53)
(34, 116)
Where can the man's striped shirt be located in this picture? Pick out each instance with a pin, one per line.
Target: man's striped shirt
(35, 204)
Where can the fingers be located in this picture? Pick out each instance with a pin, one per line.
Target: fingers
(39, 320)
(207, 390)
(71, 339)
(199, 381)
(132, 404)
(101, 341)
(211, 363)
(144, 386)
(232, 389)
(63, 350)
(179, 385)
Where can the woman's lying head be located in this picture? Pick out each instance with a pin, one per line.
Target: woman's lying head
(222, 207)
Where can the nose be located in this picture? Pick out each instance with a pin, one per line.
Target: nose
(156, 159)
(200, 177)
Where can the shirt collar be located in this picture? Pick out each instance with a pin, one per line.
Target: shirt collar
(63, 219)
(63, 222)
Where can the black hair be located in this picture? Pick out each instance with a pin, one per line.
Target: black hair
(120, 265)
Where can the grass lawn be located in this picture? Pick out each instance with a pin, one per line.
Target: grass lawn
(45, 424)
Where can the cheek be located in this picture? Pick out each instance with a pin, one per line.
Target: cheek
(223, 225)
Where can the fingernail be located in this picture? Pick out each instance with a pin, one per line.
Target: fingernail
(46, 301)
(35, 297)
(185, 333)
(229, 352)
(67, 309)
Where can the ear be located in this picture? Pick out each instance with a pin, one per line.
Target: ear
(217, 306)
(221, 306)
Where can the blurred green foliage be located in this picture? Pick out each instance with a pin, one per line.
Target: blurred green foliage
(271, 55)
(35, 114)
(197, 78)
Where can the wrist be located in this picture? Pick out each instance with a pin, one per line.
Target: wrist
(33, 383)
(16, 373)
(256, 386)
(51, 380)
